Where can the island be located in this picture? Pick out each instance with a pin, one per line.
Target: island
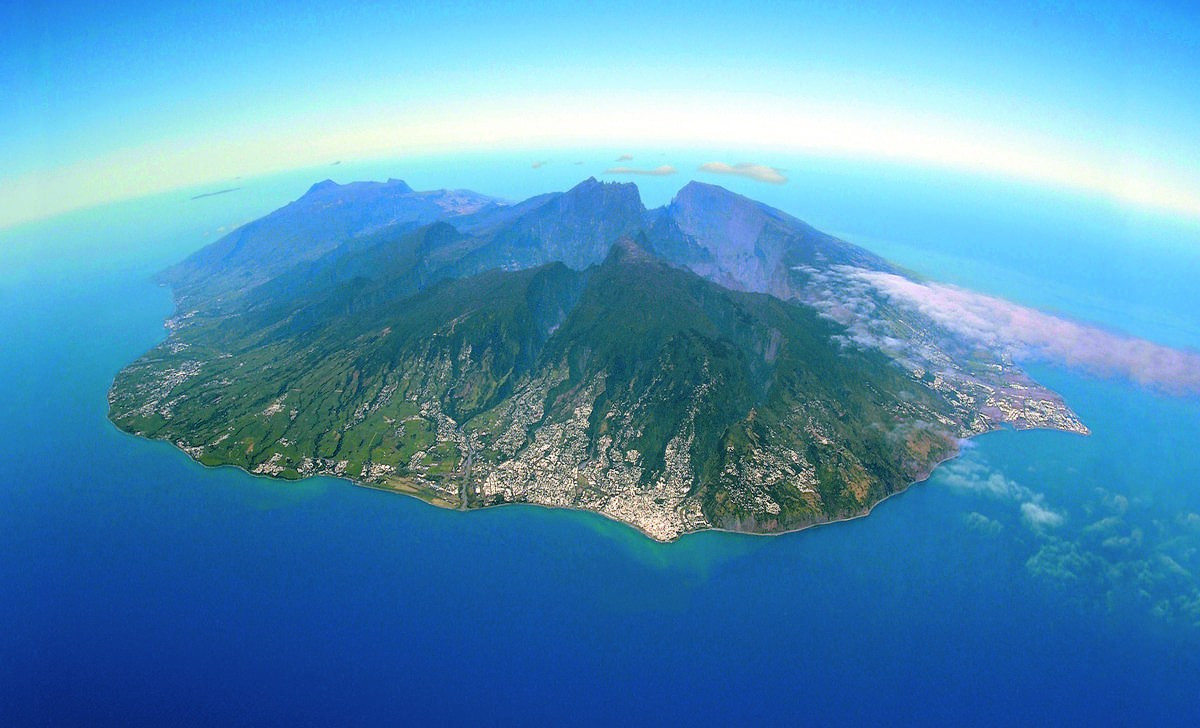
(225, 191)
(714, 363)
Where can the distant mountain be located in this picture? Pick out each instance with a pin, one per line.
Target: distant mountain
(711, 363)
(327, 216)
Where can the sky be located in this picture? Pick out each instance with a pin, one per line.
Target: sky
(103, 102)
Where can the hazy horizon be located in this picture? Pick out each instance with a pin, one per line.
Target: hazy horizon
(1097, 99)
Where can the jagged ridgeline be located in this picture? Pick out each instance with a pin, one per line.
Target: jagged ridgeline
(695, 366)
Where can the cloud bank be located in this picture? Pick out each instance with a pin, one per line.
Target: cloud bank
(625, 158)
(1129, 557)
(1110, 553)
(759, 172)
(971, 475)
(662, 171)
(1030, 334)
(981, 523)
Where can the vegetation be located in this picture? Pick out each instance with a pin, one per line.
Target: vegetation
(455, 361)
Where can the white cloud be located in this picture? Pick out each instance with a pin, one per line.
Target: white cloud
(757, 172)
(662, 171)
(979, 522)
(1114, 561)
(971, 476)
(1028, 333)
(1038, 516)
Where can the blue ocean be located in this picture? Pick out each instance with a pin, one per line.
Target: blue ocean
(138, 587)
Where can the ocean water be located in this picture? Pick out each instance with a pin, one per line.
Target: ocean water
(1040, 578)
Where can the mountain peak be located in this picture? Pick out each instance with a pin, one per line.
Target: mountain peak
(593, 194)
(703, 193)
(591, 183)
(694, 185)
(321, 186)
(392, 186)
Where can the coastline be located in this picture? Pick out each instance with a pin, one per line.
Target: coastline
(440, 503)
(446, 505)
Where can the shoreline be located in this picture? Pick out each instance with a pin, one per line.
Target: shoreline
(439, 502)
(447, 506)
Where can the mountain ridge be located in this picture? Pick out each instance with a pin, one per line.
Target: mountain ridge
(692, 366)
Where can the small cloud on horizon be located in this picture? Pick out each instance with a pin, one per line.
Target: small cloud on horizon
(539, 164)
(758, 172)
(625, 158)
(336, 163)
(662, 171)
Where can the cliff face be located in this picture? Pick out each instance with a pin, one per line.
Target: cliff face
(748, 245)
(707, 364)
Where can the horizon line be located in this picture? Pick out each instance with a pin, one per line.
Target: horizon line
(1185, 213)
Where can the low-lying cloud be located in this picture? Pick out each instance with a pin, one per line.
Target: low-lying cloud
(1027, 333)
(625, 158)
(662, 171)
(981, 523)
(1039, 516)
(539, 164)
(1131, 556)
(759, 172)
(970, 475)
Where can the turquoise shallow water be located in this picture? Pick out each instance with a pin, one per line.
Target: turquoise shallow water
(1041, 577)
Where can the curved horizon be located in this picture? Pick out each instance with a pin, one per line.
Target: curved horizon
(1096, 100)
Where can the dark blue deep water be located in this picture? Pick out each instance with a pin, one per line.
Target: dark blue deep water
(139, 587)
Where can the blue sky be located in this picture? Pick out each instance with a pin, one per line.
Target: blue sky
(106, 102)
